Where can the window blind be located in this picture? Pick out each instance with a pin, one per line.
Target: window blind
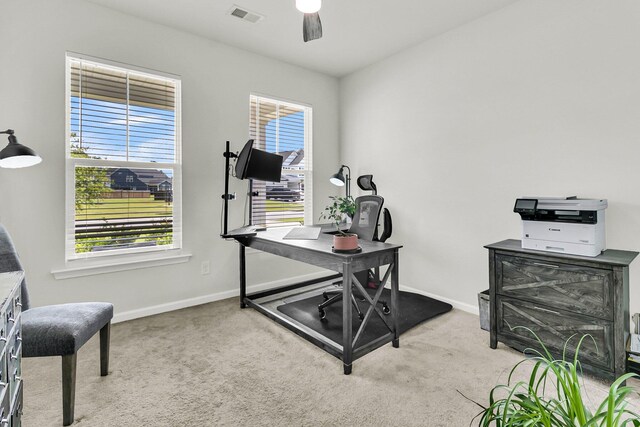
(123, 157)
(283, 128)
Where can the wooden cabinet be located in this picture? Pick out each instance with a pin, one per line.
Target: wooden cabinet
(10, 349)
(558, 296)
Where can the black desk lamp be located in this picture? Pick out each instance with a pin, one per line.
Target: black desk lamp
(16, 155)
(339, 179)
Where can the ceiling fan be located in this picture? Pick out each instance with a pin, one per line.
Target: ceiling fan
(311, 25)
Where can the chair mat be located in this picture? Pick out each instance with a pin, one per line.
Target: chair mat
(414, 309)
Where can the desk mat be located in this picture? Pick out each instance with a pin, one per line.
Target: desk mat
(414, 309)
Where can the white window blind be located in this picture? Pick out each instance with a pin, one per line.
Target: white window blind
(123, 160)
(283, 128)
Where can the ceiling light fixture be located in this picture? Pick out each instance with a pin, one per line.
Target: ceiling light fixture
(308, 6)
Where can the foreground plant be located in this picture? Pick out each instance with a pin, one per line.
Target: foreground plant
(527, 403)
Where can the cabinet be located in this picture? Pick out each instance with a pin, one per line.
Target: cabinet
(558, 296)
(10, 349)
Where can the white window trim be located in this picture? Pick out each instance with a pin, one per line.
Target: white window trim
(124, 263)
(93, 263)
(308, 150)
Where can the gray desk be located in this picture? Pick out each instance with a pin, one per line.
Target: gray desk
(318, 253)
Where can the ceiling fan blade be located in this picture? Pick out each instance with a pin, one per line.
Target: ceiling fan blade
(311, 27)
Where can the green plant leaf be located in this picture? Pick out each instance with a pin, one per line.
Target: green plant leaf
(531, 403)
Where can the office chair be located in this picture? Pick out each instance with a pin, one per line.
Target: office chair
(367, 208)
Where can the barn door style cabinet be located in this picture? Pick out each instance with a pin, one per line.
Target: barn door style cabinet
(10, 349)
(557, 296)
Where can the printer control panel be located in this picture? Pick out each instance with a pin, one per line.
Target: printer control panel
(526, 207)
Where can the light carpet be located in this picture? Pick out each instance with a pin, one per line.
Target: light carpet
(217, 365)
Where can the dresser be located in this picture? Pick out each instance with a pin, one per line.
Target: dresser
(559, 296)
(10, 349)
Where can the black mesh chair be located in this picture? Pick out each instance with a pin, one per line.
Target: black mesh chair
(365, 225)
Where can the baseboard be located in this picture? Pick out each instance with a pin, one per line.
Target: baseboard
(469, 308)
(204, 299)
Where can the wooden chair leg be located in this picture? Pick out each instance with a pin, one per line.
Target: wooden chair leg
(105, 332)
(68, 388)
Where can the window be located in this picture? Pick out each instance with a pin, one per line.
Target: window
(283, 128)
(123, 160)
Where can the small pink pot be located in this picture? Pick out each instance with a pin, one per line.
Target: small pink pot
(346, 242)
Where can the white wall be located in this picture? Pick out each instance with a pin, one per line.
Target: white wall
(216, 82)
(540, 98)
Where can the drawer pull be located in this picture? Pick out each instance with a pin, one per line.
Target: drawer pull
(18, 304)
(12, 356)
(546, 265)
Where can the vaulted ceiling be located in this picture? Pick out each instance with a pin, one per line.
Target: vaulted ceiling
(356, 32)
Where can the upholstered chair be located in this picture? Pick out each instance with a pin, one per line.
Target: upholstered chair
(59, 330)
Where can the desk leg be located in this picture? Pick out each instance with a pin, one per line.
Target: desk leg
(493, 320)
(395, 308)
(243, 276)
(347, 331)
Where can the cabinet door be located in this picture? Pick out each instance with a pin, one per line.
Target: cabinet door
(574, 288)
(554, 328)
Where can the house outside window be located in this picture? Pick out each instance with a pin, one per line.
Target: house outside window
(123, 192)
(284, 128)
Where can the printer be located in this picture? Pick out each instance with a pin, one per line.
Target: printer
(563, 224)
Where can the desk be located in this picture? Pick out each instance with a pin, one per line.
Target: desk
(318, 252)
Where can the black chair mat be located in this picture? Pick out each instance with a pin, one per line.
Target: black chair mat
(414, 309)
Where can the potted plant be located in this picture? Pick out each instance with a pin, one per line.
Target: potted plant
(554, 396)
(335, 211)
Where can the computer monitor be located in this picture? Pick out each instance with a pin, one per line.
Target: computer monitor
(257, 164)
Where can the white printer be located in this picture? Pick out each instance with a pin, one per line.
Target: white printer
(565, 225)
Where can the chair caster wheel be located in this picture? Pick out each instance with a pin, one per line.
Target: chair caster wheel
(322, 314)
(325, 296)
(386, 309)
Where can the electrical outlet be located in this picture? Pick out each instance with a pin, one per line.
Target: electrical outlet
(205, 268)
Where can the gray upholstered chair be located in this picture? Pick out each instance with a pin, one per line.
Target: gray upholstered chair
(59, 330)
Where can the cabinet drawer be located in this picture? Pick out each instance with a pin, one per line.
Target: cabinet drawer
(17, 301)
(5, 406)
(554, 327)
(579, 289)
(14, 355)
(16, 407)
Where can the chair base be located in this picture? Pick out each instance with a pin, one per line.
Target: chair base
(333, 296)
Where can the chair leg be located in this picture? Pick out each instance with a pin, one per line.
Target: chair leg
(68, 388)
(105, 333)
(355, 305)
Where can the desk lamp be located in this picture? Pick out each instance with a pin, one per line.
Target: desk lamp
(339, 179)
(16, 155)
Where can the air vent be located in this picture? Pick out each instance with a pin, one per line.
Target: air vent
(244, 14)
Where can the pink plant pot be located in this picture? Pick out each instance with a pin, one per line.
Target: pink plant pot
(345, 242)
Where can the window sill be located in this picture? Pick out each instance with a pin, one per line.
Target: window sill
(80, 268)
